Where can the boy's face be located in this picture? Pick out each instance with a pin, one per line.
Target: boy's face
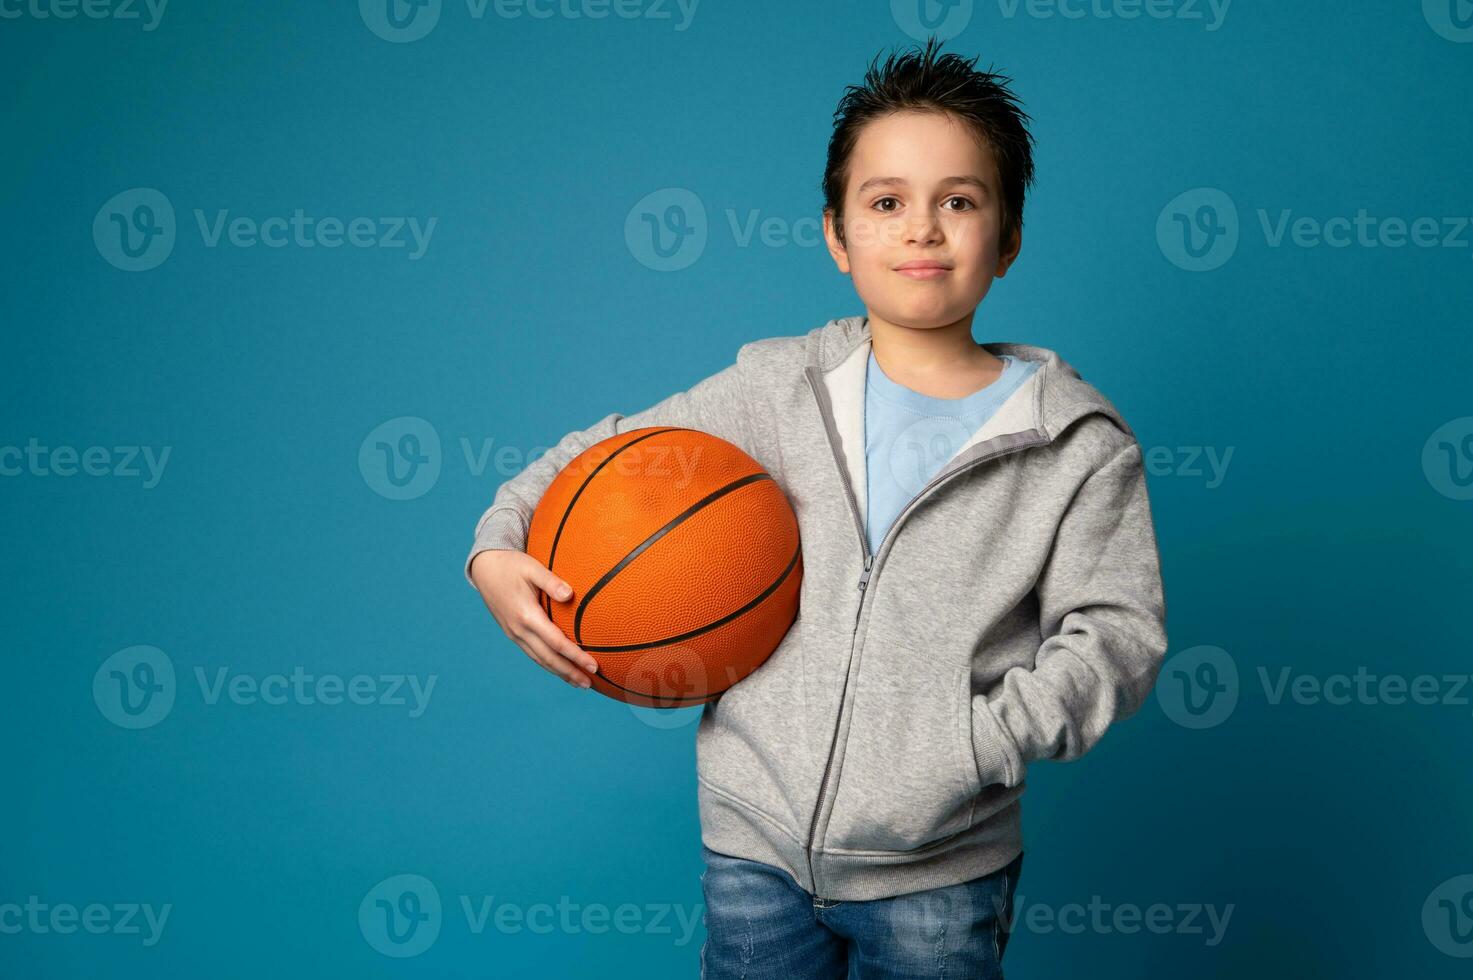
(903, 205)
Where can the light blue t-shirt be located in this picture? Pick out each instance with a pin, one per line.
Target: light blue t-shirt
(909, 436)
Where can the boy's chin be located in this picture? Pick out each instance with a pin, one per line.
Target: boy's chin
(920, 315)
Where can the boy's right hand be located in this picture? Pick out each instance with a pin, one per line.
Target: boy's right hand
(509, 582)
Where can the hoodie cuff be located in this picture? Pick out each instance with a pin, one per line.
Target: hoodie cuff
(502, 528)
(996, 755)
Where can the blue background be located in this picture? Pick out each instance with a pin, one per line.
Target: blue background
(1327, 545)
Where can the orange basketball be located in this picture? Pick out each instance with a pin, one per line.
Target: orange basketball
(683, 556)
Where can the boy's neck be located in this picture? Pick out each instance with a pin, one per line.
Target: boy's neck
(941, 362)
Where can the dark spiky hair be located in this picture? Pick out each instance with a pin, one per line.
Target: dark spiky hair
(919, 80)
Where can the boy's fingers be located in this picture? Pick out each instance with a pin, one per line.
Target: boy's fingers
(553, 663)
(554, 638)
(547, 580)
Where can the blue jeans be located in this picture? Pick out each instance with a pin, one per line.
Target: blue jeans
(761, 926)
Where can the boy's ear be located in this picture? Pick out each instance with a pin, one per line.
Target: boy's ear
(836, 248)
(1009, 253)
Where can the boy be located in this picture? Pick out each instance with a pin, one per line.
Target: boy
(981, 581)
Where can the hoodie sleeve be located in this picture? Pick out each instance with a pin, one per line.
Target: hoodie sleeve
(1102, 612)
(716, 404)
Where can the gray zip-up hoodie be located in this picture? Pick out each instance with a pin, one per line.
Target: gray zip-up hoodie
(1013, 610)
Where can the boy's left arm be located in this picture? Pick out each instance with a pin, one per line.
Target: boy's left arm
(1102, 610)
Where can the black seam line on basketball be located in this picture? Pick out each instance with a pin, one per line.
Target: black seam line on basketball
(552, 552)
(792, 563)
(647, 542)
(703, 697)
(630, 690)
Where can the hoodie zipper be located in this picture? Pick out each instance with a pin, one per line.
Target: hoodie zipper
(864, 578)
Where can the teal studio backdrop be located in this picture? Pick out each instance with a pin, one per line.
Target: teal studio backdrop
(257, 724)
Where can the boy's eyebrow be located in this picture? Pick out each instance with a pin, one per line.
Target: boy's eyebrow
(967, 179)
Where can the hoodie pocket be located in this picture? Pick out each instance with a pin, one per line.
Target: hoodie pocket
(908, 775)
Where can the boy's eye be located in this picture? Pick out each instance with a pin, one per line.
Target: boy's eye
(967, 204)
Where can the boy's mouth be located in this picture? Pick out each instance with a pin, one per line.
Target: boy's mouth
(923, 269)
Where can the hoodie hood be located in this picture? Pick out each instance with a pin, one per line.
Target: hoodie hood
(1053, 398)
